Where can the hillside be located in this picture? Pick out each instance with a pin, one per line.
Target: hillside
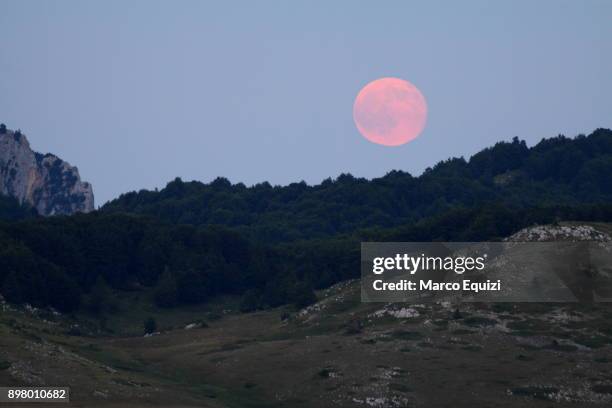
(254, 303)
(557, 171)
(338, 352)
(284, 242)
(77, 262)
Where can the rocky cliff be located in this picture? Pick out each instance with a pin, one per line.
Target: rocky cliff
(46, 182)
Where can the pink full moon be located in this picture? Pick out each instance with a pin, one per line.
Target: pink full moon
(390, 111)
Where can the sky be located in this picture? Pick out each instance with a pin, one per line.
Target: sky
(136, 93)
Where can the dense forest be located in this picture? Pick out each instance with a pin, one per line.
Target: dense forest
(53, 261)
(555, 171)
(273, 245)
(11, 209)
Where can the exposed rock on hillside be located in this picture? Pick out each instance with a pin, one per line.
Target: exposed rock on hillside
(46, 182)
(544, 233)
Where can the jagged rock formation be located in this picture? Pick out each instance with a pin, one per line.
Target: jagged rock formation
(46, 182)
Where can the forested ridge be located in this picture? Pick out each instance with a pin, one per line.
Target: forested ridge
(559, 170)
(273, 245)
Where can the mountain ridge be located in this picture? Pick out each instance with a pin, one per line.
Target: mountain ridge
(556, 171)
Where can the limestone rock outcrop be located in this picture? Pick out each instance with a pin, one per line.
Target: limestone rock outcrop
(46, 182)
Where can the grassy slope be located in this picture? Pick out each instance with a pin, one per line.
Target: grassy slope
(503, 355)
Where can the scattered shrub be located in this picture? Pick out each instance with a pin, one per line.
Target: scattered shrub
(150, 325)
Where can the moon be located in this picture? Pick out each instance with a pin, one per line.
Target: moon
(390, 111)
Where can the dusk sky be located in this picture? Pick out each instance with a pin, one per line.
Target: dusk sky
(136, 93)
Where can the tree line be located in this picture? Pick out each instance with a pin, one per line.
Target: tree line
(560, 170)
(272, 246)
